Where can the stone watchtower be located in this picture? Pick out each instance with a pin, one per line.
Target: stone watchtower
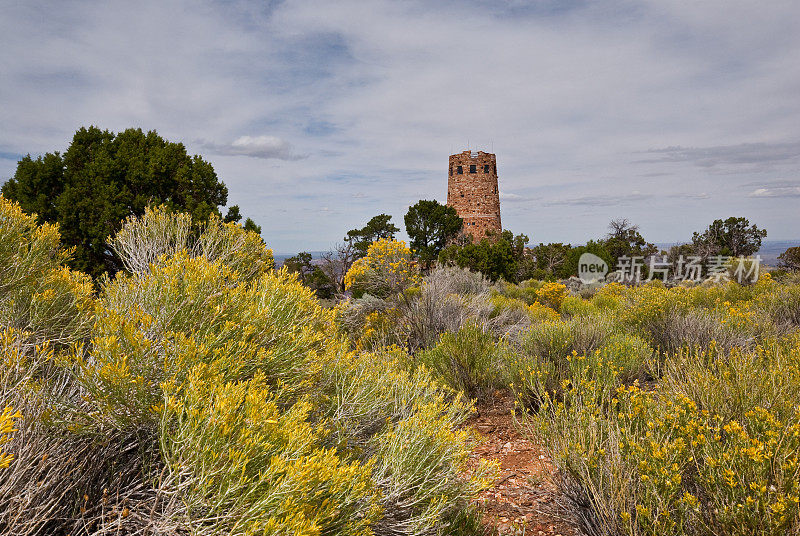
(472, 191)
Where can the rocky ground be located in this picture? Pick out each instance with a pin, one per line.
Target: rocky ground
(523, 500)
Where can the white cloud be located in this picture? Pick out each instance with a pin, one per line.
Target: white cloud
(784, 191)
(256, 147)
(569, 96)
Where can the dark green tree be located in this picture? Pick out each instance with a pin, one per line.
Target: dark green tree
(790, 259)
(430, 226)
(37, 184)
(321, 284)
(625, 240)
(235, 216)
(250, 225)
(310, 275)
(546, 261)
(377, 227)
(678, 251)
(733, 236)
(596, 247)
(103, 178)
(301, 265)
(495, 257)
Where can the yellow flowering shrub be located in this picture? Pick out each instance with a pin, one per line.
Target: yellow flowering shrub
(542, 313)
(24, 367)
(145, 239)
(152, 328)
(38, 295)
(712, 450)
(552, 294)
(249, 467)
(610, 296)
(387, 269)
(577, 306)
(544, 351)
(680, 318)
(258, 384)
(539, 376)
(536, 312)
(381, 329)
(648, 305)
(213, 394)
(7, 418)
(711, 447)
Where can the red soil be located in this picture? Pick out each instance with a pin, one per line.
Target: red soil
(523, 498)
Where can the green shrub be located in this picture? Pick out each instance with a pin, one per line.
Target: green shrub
(209, 399)
(376, 404)
(425, 502)
(782, 306)
(466, 360)
(546, 348)
(517, 314)
(39, 296)
(505, 303)
(710, 451)
(577, 306)
(525, 290)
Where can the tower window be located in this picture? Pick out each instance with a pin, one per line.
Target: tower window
(451, 171)
(460, 170)
(486, 168)
(473, 168)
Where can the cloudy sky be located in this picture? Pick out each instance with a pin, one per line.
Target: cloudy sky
(319, 115)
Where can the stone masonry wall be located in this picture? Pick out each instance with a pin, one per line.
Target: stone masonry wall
(473, 192)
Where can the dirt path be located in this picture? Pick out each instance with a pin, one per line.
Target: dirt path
(522, 499)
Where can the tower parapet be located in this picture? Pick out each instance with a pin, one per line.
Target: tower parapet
(472, 191)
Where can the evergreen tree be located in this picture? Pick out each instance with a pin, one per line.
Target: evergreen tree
(430, 226)
(377, 227)
(103, 178)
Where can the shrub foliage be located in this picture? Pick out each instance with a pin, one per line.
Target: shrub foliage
(204, 393)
